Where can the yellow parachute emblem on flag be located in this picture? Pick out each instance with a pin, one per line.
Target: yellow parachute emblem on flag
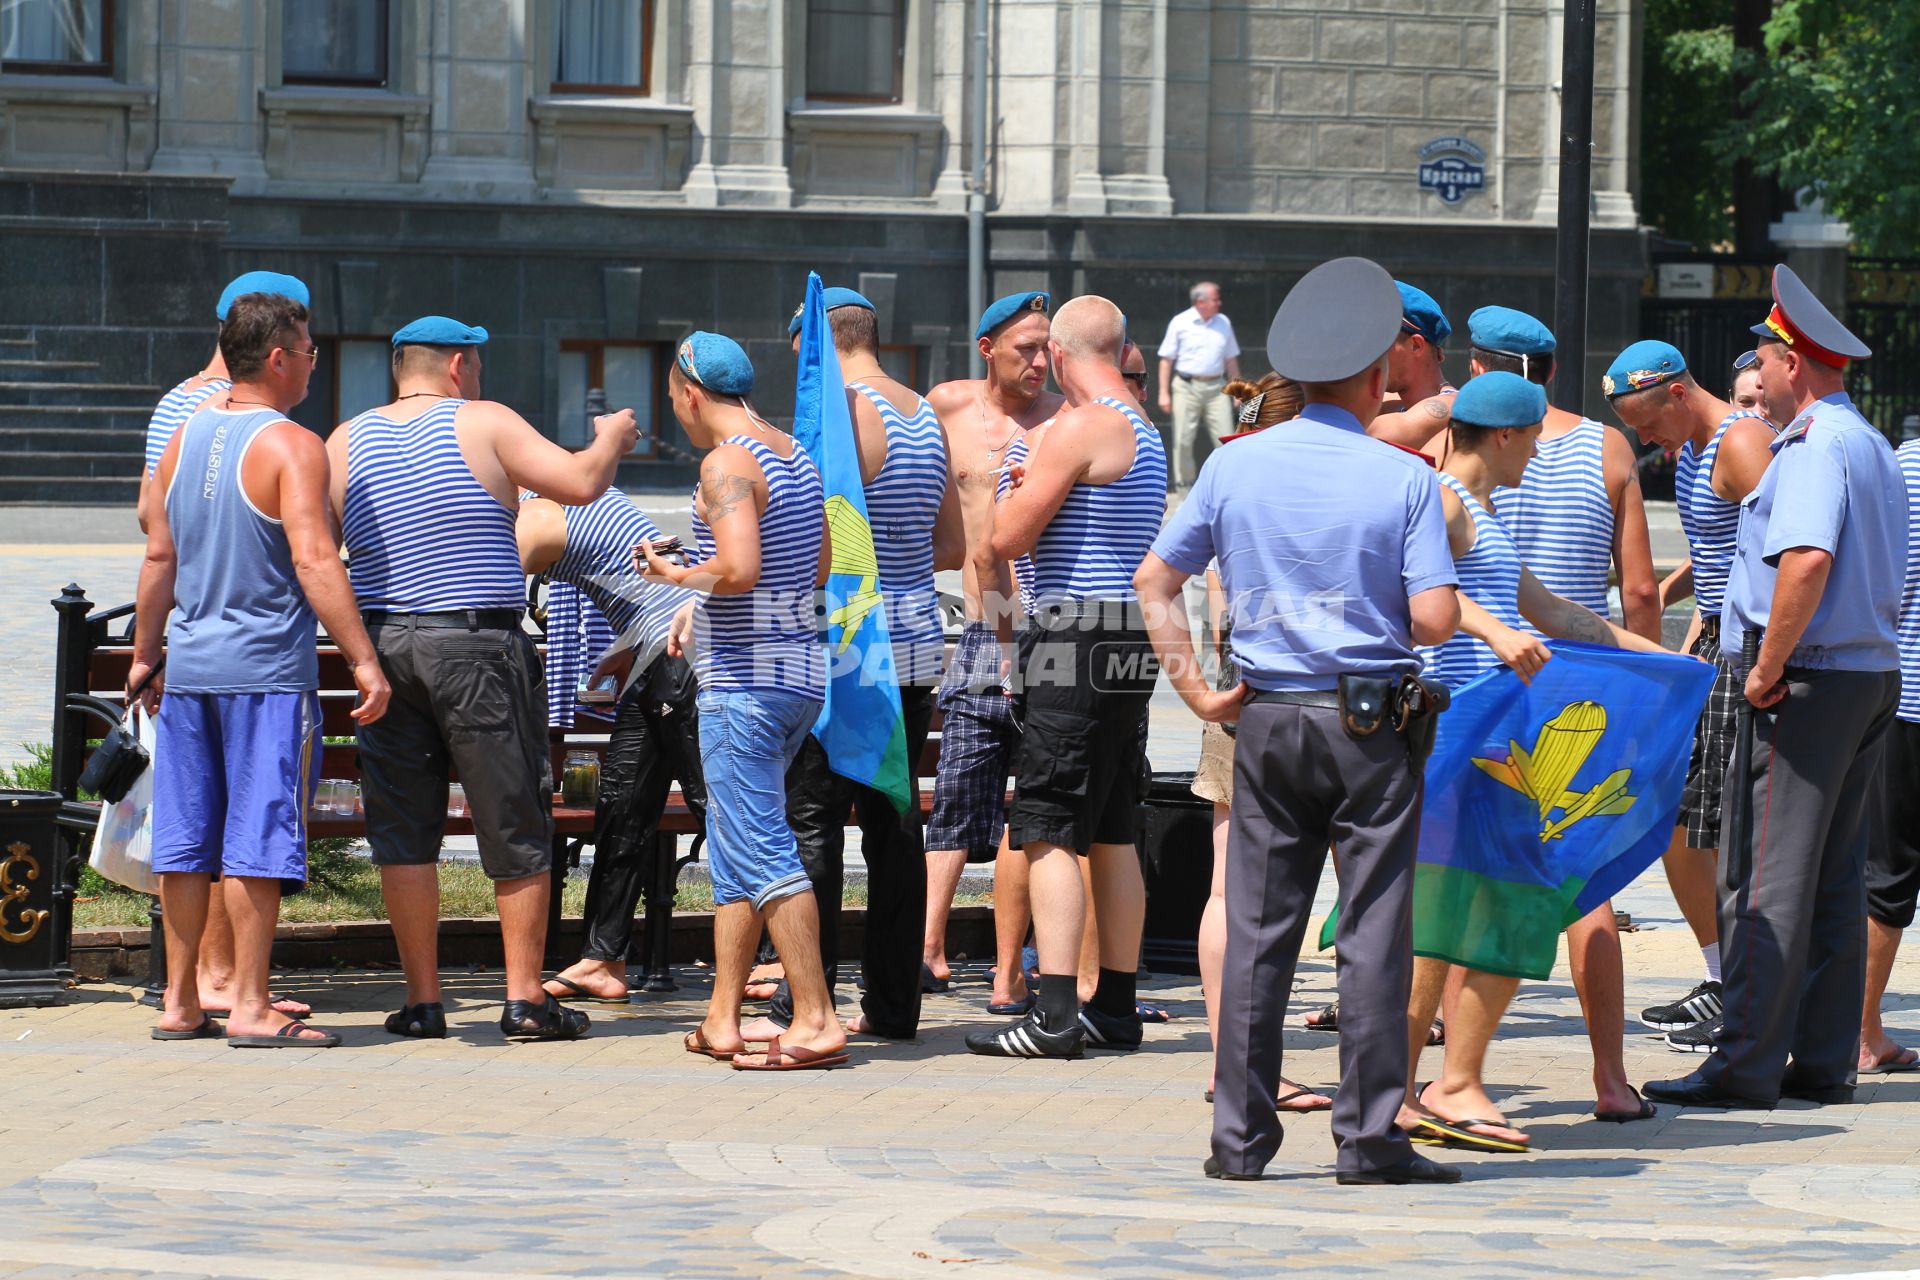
(853, 556)
(1545, 774)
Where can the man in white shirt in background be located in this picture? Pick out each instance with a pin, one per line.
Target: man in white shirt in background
(1197, 357)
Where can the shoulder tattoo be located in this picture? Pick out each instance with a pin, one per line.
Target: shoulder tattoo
(723, 492)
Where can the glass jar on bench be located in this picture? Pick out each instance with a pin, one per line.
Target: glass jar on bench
(580, 779)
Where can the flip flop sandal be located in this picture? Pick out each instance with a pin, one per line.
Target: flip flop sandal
(207, 1030)
(580, 995)
(1647, 1111)
(287, 1037)
(1151, 1013)
(1017, 1009)
(931, 985)
(1437, 1033)
(1329, 1019)
(1902, 1061)
(779, 1057)
(303, 1009)
(696, 1042)
(1280, 1103)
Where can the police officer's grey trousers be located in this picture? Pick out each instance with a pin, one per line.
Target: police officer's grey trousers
(1793, 914)
(1299, 783)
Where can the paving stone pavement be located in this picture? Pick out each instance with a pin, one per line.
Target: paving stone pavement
(623, 1155)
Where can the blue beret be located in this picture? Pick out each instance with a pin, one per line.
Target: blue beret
(440, 331)
(1010, 306)
(715, 362)
(830, 298)
(1646, 363)
(1507, 332)
(261, 282)
(1500, 400)
(1420, 314)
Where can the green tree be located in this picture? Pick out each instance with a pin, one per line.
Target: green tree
(1687, 103)
(1834, 108)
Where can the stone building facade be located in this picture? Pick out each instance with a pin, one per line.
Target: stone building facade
(590, 178)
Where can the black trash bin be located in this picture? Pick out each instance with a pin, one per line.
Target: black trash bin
(1175, 839)
(36, 935)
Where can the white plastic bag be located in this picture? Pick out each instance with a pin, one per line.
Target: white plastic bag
(123, 842)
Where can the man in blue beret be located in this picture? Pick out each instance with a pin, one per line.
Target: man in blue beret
(763, 547)
(425, 489)
(1260, 509)
(1092, 497)
(915, 519)
(984, 419)
(1197, 357)
(216, 965)
(1421, 397)
(1818, 569)
(1720, 453)
(1496, 422)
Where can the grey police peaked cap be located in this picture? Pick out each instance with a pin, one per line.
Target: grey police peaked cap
(1340, 318)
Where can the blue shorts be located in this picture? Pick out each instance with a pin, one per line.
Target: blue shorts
(747, 740)
(233, 775)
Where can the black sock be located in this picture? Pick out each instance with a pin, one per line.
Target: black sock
(1114, 994)
(1059, 1000)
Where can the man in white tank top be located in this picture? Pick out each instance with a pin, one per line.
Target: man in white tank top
(467, 683)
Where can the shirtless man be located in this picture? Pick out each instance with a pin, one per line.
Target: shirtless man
(982, 418)
(1419, 416)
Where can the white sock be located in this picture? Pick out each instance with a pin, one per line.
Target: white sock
(1711, 954)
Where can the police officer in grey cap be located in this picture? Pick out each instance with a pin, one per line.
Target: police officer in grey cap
(1817, 576)
(1326, 617)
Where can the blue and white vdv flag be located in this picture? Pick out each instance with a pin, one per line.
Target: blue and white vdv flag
(861, 724)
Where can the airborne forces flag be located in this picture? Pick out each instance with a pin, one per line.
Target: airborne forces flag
(860, 724)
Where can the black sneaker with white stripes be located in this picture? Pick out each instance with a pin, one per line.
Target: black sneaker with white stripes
(1699, 1005)
(1701, 1038)
(1104, 1031)
(1031, 1038)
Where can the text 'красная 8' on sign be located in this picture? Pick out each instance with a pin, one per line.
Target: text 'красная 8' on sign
(1453, 168)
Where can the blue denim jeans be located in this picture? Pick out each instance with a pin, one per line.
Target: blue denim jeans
(747, 740)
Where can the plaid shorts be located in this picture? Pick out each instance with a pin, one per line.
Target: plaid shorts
(978, 736)
(1712, 745)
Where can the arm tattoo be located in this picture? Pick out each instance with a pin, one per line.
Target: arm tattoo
(1438, 410)
(723, 492)
(1577, 623)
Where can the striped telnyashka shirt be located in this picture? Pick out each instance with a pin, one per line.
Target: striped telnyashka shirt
(1490, 575)
(1711, 523)
(770, 637)
(172, 413)
(903, 502)
(1562, 519)
(423, 535)
(1101, 533)
(598, 559)
(1909, 633)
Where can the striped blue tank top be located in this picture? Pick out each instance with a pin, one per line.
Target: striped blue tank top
(902, 503)
(1101, 533)
(770, 637)
(1023, 566)
(1490, 574)
(172, 413)
(598, 559)
(1909, 630)
(1711, 523)
(577, 634)
(241, 622)
(422, 534)
(1561, 517)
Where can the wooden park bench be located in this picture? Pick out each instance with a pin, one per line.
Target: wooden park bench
(92, 655)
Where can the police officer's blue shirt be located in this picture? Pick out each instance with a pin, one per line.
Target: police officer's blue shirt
(1322, 534)
(1834, 486)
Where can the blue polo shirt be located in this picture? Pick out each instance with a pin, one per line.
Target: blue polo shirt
(1833, 485)
(1322, 534)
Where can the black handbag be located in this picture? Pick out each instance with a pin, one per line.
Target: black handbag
(119, 760)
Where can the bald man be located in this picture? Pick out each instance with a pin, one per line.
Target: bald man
(1086, 509)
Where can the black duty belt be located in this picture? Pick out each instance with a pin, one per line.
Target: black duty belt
(457, 619)
(1328, 698)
